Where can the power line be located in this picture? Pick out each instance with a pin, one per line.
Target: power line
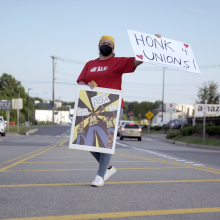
(143, 68)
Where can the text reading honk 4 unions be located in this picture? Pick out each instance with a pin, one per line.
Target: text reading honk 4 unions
(162, 51)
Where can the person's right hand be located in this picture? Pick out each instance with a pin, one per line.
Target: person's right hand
(91, 85)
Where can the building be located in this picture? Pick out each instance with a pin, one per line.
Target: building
(46, 116)
(188, 111)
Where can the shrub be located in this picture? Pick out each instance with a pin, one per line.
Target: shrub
(151, 128)
(42, 123)
(209, 124)
(173, 133)
(212, 130)
(198, 128)
(188, 131)
(186, 125)
(165, 128)
(157, 128)
(219, 129)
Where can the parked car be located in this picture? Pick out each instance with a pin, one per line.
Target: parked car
(179, 122)
(130, 130)
(2, 126)
(162, 123)
(171, 123)
(121, 122)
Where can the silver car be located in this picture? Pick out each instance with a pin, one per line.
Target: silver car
(120, 124)
(130, 130)
(2, 126)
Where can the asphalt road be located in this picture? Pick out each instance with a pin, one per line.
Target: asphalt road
(40, 178)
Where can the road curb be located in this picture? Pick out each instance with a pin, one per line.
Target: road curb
(31, 131)
(190, 145)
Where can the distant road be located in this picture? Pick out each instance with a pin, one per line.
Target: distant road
(53, 130)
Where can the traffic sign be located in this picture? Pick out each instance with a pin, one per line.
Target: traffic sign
(149, 115)
(130, 113)
(5, 105)
(170, 108)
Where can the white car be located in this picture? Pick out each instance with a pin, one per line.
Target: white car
(2, 126)
(121, 122)
(162, 123)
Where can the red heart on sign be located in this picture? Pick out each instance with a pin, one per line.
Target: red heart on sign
(140, 57)
(186, 45)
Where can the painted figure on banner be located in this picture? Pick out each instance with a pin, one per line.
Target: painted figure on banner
(94, 126)
(93, 118)
(80, 133)
(109, 123)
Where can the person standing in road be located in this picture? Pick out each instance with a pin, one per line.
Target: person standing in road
(107, 72)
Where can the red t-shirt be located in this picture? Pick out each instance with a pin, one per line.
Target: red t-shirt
(107, 73)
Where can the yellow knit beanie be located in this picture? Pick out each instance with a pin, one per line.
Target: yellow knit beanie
(107, 37)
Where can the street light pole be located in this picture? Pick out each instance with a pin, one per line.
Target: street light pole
(53, 57)
(28, 105)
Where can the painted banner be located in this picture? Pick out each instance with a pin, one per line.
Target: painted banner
(162, 51)
(95, 126)
(208, 109)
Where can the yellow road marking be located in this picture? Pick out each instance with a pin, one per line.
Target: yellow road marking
(64, 153)
(76, 157)
(64, 140)
(20, 157)
(171, 162)
(124, 214)
(92, 162)
(111, 183)
(147, 168)
(27, 158)
(22, 161)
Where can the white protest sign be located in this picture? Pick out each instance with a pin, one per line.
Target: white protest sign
(171, 108)
(208, 109)
(99, 100)
(83, 112)
(112, 108)
(163, 51)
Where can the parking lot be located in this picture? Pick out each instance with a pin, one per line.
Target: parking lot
(40, 178)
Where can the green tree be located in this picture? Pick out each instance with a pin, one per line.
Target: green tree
(140, 108)
(9, 89)
(208, 93)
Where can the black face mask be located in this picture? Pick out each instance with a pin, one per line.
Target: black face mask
(105, 50)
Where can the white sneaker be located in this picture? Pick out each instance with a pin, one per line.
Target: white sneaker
(98, 181)
(109, 172)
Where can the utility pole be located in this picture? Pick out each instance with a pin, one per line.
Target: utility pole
(163, 91)
(53, 90)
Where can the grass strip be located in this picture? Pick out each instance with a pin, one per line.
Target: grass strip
(13, 129)
(145, 131)
(197, 140)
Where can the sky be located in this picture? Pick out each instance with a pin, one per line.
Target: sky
(34, 30)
